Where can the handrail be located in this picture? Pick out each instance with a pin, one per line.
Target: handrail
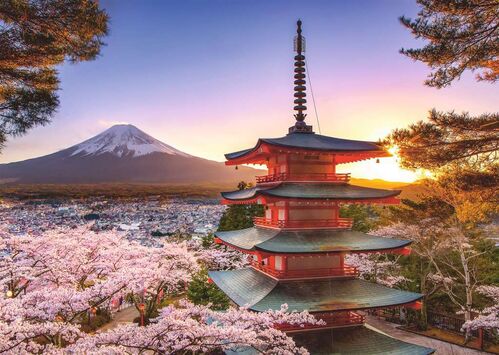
(332, 177)
(339, 319)
(339, 222)
(346, 271)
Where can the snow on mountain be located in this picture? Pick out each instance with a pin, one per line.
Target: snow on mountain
(124, 140)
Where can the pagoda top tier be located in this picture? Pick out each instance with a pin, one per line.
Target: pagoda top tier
(301, 138)
(344, 150)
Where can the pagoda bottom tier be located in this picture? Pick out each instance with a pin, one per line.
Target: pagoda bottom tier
(363, 340)
(260, 292)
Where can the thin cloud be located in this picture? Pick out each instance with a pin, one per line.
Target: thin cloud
(106, 123)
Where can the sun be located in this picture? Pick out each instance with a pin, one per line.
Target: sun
(393, 150)
(387, 169)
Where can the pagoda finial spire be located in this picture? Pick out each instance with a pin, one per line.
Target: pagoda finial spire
(299, 82)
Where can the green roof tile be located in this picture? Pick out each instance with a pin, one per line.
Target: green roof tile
(307, 241)
(249, 287)
(364, 340)
(311, 191)
(355, 340)
(312, 141)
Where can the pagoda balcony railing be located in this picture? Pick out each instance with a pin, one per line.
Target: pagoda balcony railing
(345, 271)
(331, 320)
(304, 223)
(331, 177)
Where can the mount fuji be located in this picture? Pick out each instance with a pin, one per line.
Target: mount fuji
(122, 153)
(124, 140)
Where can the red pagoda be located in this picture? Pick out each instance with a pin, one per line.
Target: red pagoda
(298, 248)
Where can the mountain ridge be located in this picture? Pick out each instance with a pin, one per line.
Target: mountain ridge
(122, 153)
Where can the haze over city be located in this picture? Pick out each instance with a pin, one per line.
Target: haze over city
(210, 77)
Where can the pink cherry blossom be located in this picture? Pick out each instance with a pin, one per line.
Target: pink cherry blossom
(50, 282)
(199, 329)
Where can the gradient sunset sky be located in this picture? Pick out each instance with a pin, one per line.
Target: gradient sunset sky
(210, 76)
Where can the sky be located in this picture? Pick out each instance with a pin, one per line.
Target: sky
(210, 77)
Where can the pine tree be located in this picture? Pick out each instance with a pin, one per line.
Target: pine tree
(240, 216)
(35, 37)
(461, 34)
(461, 152)
(449, 137)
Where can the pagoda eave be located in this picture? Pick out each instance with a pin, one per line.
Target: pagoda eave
(308, 242)
(263, 253)
(270, 199)
(312, 192)
(362, 339)
(260, 292)
(262, 151)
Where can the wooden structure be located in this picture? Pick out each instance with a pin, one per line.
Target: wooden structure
(298, 248)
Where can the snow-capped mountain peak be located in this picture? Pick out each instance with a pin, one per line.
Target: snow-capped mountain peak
(124, 140)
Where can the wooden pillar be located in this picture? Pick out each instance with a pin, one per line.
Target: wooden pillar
(273, 214)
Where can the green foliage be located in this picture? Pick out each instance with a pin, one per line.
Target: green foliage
(487, 263)
(202, 292)
(435, 250)
(461, 34)
(158, 233)
(460, 151)
(240, 216)
(35, 37)
(448, 137)
(91, 216)
(207, 241)
(428, 207)
(365, 218)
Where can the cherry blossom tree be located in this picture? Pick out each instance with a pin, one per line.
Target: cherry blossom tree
(53, 281)
(451, 257)
(190, 328)
(61, 276)
(488, 318)
(377, 268)
(217, 257)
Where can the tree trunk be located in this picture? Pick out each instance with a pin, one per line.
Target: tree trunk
(469, 293)
(424, 314)
(423, 322)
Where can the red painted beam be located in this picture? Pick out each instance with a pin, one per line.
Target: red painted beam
(416, 305)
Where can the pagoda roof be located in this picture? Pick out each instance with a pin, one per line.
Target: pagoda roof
(313, 142)
(307, 241)
(260, 292)
(361, 339)
(331, 191)
(355, 340)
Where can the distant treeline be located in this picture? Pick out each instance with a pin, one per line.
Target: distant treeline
(117, 190)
